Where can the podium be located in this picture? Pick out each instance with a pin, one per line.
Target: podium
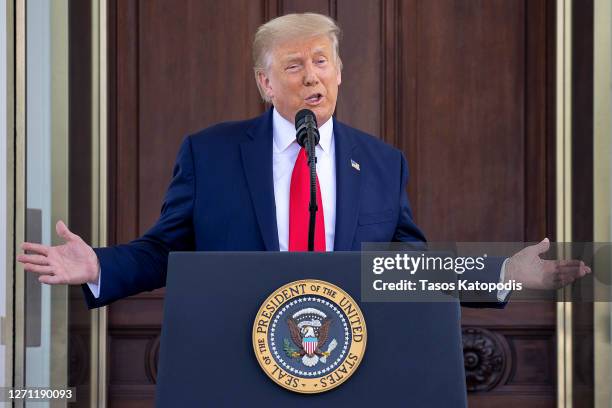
(413, 356)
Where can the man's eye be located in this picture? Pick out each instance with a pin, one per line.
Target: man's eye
(321, 61)
(292, 67)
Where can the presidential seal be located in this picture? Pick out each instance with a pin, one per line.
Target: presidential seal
(309, 336)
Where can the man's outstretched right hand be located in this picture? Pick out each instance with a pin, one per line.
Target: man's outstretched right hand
(72, 263)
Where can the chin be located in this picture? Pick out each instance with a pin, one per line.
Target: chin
(320, 112)
(322, 117)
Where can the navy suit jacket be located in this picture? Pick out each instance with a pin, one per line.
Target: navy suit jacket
(221, 198)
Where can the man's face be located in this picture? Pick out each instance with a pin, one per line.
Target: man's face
(303, 74)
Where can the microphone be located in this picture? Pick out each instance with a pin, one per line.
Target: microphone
(307, 136)
(305, 123)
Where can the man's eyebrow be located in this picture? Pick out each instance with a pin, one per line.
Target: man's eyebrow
(292, 57)
(296, 56)
(319, 50)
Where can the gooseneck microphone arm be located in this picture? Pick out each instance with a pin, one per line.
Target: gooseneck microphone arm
(307, 136)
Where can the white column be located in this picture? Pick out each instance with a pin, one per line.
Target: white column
(38, 185)
(602, 193)
(3, 180)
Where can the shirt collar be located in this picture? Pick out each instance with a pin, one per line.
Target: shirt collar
(283, 133)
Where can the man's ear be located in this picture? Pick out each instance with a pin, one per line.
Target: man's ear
(264, 83)
(338, 75)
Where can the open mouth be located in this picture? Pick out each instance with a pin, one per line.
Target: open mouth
(314, 99)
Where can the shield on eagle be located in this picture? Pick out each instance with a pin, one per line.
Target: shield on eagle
(310, 345)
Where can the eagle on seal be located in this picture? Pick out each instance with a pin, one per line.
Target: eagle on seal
(309, 339)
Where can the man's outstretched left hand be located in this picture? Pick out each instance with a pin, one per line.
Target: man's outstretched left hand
(527, 267)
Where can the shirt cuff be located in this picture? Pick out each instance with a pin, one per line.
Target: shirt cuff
(503, 293)
(95, 287)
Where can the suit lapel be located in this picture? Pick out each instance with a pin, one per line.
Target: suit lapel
(348, 183)
(257, 160)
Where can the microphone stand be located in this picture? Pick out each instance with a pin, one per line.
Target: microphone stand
(312, 208)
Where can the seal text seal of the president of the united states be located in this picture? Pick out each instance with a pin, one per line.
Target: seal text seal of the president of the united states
(309, 336)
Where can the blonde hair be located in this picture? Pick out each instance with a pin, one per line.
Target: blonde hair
(287, 27)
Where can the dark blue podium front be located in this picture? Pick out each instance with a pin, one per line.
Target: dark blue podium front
(413, 356)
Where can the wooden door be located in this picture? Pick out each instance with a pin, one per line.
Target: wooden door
(464, 88)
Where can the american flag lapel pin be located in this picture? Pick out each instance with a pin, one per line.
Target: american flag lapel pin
(355, 165)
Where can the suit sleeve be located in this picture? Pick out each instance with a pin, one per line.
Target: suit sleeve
(406, 229)
(141, 264)
(490, 274)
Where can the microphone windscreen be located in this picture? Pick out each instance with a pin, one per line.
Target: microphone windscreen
(301, 116)
(306, 123)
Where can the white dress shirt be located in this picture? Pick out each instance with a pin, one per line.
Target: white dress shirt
(284, 154)
(285, 150)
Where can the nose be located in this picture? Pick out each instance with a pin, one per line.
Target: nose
(310, 75)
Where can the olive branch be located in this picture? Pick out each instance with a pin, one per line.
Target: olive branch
(289, 350)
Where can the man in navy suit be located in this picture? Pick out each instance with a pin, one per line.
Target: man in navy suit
(235, 185)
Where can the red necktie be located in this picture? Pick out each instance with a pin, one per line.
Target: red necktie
(299, 216)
